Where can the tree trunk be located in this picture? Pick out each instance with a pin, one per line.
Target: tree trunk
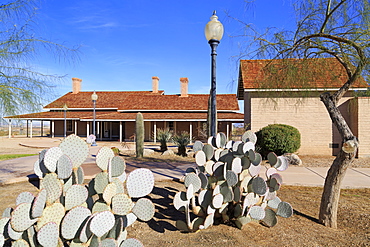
(333, 180)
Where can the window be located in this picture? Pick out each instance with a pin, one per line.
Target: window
(170, 125)
(69, 125)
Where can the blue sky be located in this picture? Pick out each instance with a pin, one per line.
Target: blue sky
(123, 43)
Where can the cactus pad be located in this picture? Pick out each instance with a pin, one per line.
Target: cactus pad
(220, 140)
(249, 136)
(108, 242)
(48, 235)
(51, 158)
(140, 182)
(180, 200)
(121, 204)
(231, 178)
(129, 219)
(209, 151)
(101, 223)
(259, 186)
(284, 163)
(272, 158)
(24, 197)
(117, 166)
(109, 191)
(75, 148)
(52, 213)
(64, 167)
(100, 182)
(73, 220)
(75, 196)
(99, 207)
(284, 209)
(39, 204)
(20, 243)
(53, 187)
(131, 242)
(21, 220)
(193, 179)
(103, 157)
(270, 219)
(200, 158)
(257, 212)
(144, 209)
(197, 146)
(274, 203)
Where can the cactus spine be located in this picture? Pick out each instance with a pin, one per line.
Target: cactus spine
(139, 132)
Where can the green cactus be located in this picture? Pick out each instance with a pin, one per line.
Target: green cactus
(139, 132)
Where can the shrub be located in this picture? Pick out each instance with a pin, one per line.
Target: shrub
(181, 141)
(163, 136)
(278, 138)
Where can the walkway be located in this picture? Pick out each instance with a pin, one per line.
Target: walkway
(18, 169)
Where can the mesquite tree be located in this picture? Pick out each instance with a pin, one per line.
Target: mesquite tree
(338, 29)
(23, 87)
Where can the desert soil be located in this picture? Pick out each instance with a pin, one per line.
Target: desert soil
(302, 229)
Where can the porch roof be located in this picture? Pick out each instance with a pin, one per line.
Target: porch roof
(129, 116)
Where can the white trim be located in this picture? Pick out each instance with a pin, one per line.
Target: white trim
(298, 89)
(83, 109)
(169, 110)
(161, 120)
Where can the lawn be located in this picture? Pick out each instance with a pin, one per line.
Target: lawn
(13, 156)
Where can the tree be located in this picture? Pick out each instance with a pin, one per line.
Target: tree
(21, 86)
(325, 28)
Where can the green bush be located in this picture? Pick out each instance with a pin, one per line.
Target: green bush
(164, 136)
(278, 138)
(181, 140)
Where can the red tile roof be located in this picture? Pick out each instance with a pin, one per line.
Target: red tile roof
(113, 115)
(146, 100)
(314, 73)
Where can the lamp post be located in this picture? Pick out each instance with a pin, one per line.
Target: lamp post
(94, 98)
(65, 108)
(213, 31)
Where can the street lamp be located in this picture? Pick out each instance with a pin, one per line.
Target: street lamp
(65, 108)
(213, 31)
(94, 98)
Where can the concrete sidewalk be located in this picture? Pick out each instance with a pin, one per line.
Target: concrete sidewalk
(18, 169)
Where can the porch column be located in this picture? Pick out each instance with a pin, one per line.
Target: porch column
(10, 128)
(42, 128)
(174, 126)
(87, 128)
(27, 128)
(191, 132)
(227, 131)
(120, 131)
(52, 129)
(31, 129)
(110, 130)
(155, 131)
(75, 127)
(100, 130)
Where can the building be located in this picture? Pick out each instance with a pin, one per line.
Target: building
(298, 104)
(116, 112)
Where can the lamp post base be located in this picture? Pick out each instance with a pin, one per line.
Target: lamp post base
(94, 144)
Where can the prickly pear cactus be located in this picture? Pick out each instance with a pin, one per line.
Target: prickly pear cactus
(139, 131)
(67, 212)
(227, 186)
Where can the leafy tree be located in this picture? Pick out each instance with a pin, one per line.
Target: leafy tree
(339, 29)
(21, 86)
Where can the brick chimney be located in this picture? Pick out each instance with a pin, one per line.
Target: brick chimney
(155, 84)
(76, 85)
(184, 86)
